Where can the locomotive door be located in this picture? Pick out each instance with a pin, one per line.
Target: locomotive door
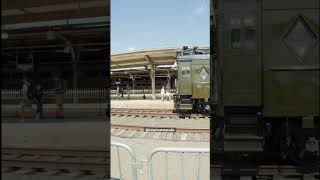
(185, 77)
(241, 55)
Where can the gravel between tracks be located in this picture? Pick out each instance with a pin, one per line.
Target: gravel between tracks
(200, 123)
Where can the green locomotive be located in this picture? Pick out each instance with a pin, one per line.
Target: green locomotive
(267, 78)
(193, 82)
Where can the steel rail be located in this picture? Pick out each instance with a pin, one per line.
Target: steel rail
(142, 128)
(86, 160)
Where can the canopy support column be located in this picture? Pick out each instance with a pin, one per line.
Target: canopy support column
(152, 73)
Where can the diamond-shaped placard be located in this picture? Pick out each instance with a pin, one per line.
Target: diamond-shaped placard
(203, 73)
(300, 38)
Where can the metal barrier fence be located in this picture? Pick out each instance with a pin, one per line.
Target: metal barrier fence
(14, 96)
(132, 160)
(134, 163)
(167, 150)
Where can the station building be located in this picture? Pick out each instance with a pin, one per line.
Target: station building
(147, 69)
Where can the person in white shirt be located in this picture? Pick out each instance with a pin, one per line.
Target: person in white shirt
(168, 92)
(162, 93)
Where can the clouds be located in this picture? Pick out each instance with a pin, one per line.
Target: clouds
(131, 49)
(203, 8)
(199, 10)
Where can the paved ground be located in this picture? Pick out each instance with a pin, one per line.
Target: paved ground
(66, 106)
(134, 96)
(143, 147)
(49, 110)
(200, 123)
(56, 134)
(27, 175)
(142, 104)
(52, 133)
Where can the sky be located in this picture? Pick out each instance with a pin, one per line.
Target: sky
(143, 24)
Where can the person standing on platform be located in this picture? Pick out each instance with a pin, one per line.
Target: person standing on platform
(26, 96)
(162, 93)
(121, 91)
(38, 97)
(118, 90)
(168, 93)
(128, 90)
(60, 89)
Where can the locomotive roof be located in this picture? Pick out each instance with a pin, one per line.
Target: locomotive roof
(190, 54)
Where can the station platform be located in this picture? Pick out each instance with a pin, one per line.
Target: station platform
(134, 96)
(85, 135)
(142, 104)
(49, 110)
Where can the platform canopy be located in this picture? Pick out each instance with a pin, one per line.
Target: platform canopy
(18, 11)
(143, 58)
(47, 29)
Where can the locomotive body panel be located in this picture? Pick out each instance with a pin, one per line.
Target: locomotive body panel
(200, 79)
(291, 62)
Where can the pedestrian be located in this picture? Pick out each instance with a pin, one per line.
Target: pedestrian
(60, 89)
(128, 91)
(121, 91)
(38, 97)
(168, 93)
(118, 90)
(26, 96)
(162, 93)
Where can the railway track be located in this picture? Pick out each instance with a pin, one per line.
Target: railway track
(165, 113)
(142, 112)
(180, 134)
(92, 161)
(264, 170)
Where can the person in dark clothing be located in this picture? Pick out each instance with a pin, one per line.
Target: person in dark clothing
(38, 98)
(60, 90)
(121, 91)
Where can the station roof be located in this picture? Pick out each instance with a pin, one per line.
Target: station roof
(28, 25)
(162, 56)
(17, 11)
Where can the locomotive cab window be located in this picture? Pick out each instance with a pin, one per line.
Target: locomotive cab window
(250, 38)
(235, 38)
(185, 71)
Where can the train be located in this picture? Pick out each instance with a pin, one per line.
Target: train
(193, 81)
(265, 80)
